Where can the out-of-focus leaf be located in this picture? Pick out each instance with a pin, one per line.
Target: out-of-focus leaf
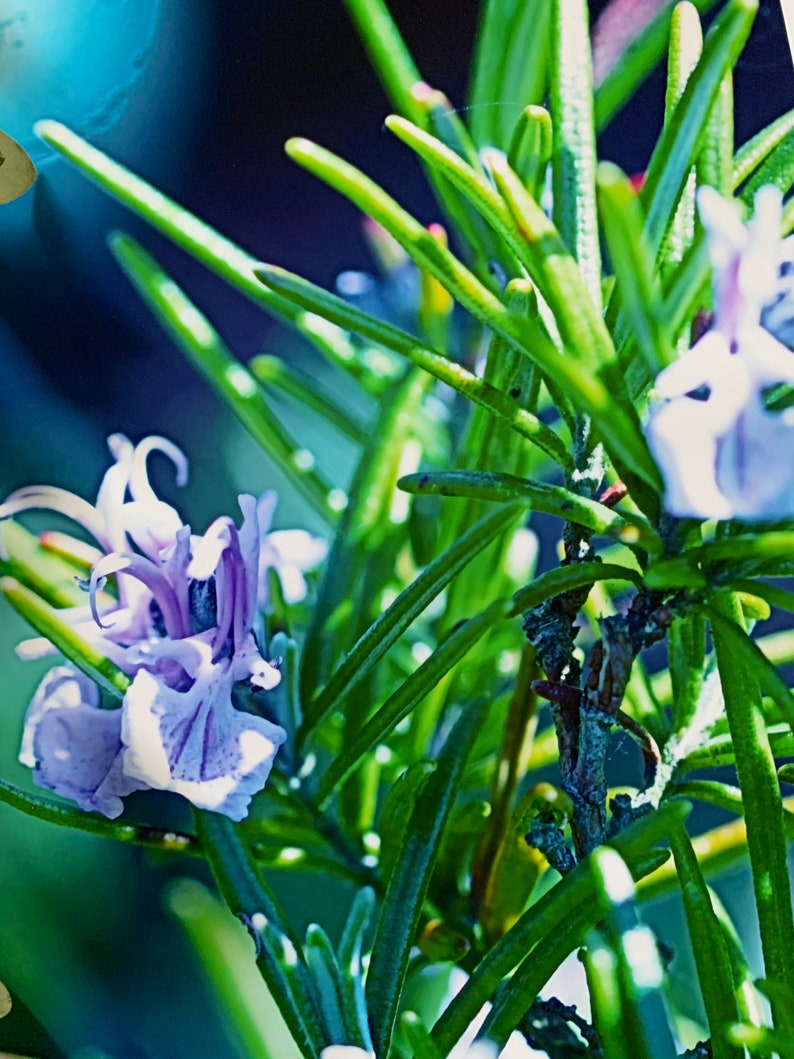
(399, 918)
(644, 1027)
(44, 572)
(388, 53)
(390, 625)
(226, 954)
(410, 694)
(507, 79)
(362, 531)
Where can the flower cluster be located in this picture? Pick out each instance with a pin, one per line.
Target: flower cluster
(723, 452)
(180, 628)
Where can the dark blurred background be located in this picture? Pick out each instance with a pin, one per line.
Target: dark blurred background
(198, 98)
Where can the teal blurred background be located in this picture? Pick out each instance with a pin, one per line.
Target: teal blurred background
(198, 98)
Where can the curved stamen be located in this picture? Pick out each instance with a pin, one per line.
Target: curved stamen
(110, 498)
(147, 572)
(139, 476)
(51, 498)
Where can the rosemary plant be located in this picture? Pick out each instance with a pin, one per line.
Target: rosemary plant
(431, 717)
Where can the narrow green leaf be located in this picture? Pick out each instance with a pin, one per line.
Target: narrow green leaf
(553, 268)
(755, 767)
(49, 575)
(644, 1026)
(553, 499)
(603, 986)
(568, 578)
(756, 663)
(622, 434)
(776, 169)
(324, 969)
(47, 623)
(632, 262)
(748, 999)
(506, 79)
(183, 228)
(162, 839)
(318, 301)
(618, 79)
(755, 151)
(594, 397)
(512, 1000)
(775, 596)
(573, 161)
(391, 624)
(478, 241)
(530, 148)
(246, 895)
(223, 949)
(230, 379)
(402, 905)
(533, 239)
(677, 147)
(544, 919)
(362, 530)
(581, 326)
(528, 336)
(759, 552)
(409, 695)
(708, 945)
(686, 646)
(398, 806)
(715, 160)
(422, 247)
(349, 957)
(388, 53)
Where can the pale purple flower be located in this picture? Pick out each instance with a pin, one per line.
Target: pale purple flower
(291, 553)
(74, 746)
(722, 453)
(181, 628)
